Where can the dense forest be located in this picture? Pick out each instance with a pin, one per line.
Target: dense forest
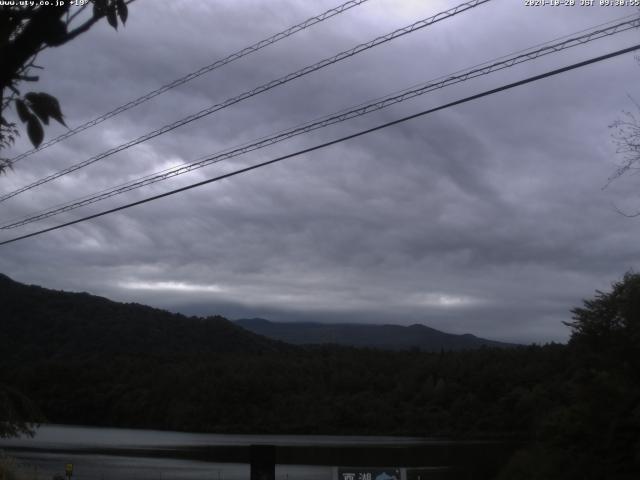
(82, 359)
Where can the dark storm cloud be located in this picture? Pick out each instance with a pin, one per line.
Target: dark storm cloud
(488, 218)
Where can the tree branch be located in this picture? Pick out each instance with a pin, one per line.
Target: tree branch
(81, 29)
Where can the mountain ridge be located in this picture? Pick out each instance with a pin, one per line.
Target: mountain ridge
(363, 335)
(55, 323)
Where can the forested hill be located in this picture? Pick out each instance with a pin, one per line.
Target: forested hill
(42, 323)
(390, 337)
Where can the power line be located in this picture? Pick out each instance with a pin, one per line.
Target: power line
(363, 109)
(250, 93)
(333, 142)
(195, 74)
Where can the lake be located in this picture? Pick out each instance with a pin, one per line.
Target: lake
(114, 453)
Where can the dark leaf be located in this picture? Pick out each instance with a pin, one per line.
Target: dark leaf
(112, 18)
(40, 111)
(99, 8)
(123, 11)
(45, 106)
(23, 112)
(54, 33)
(35, 131)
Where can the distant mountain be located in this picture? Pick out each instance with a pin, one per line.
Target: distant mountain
(40, 323)
(391, 337)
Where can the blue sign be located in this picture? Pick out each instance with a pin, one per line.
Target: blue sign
(364, 473)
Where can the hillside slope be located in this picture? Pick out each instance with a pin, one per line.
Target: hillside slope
(42, 323)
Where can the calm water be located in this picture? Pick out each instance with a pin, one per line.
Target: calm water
(109, 453)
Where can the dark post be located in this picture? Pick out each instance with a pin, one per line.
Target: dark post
(263, 462)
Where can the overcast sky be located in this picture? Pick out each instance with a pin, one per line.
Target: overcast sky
(488, 218)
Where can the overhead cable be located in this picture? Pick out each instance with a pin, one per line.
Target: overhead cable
(486, 93)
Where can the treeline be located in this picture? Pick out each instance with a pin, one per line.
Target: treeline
(323, 390)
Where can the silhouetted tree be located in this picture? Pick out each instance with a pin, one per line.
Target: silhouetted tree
(591, 429)
(609, 324)
(26, 29)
